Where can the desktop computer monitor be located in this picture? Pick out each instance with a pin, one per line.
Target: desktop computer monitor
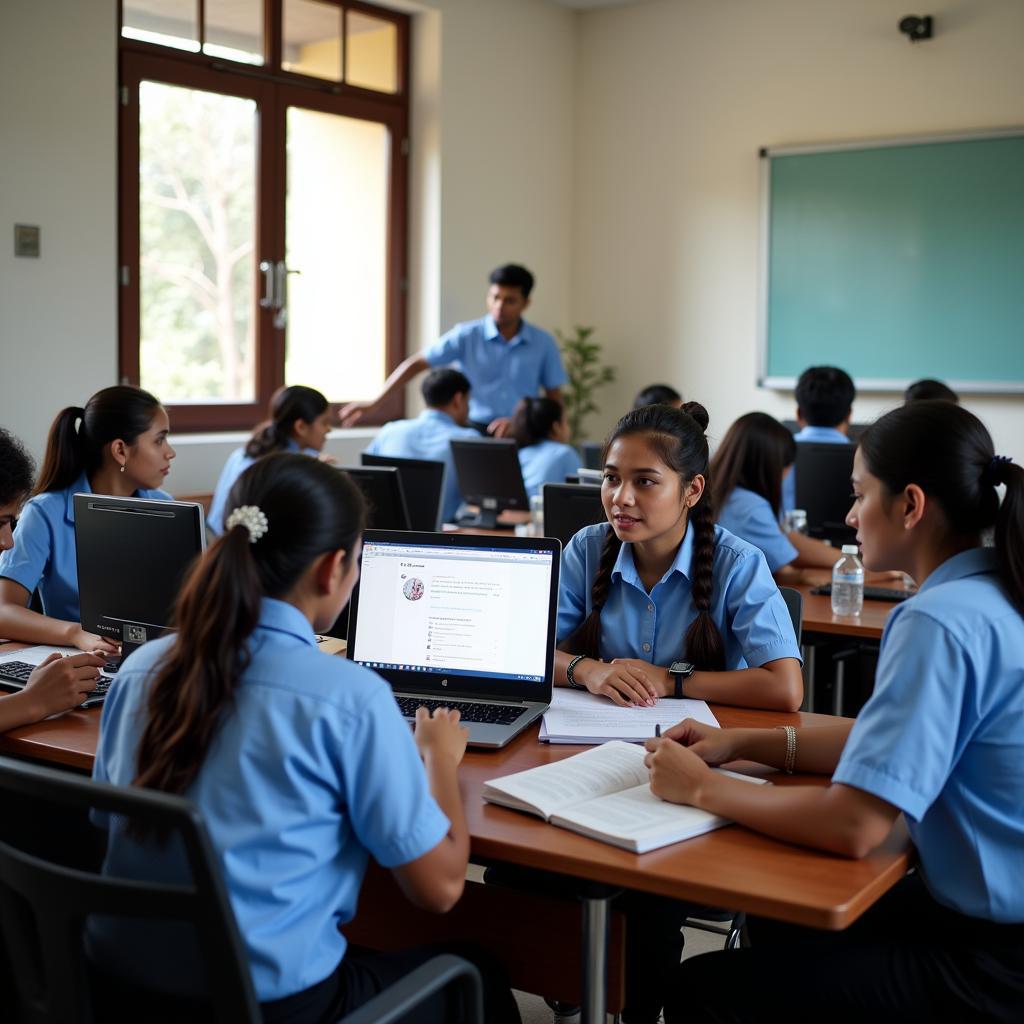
(133, 555)
(590, 454)
(489, 476)
(385, 498)
(422, 484)
(823, 488)
(570, 507)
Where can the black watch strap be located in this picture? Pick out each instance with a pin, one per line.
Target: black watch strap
(679, 677)
(680, 672)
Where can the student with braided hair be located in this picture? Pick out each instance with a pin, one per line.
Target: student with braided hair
(661, 602)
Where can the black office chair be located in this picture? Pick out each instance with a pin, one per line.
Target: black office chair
(44, 905)
(725, 922)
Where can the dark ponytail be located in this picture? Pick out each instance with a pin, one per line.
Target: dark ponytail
(677, 435)
(949, 454)
(286, 406)
(310, 509)
(78, 437)
(533, 420)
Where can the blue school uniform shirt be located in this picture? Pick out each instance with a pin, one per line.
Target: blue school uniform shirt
(942, 736)
(500, 372)
(312, 771)
(44, 556)
(745, 603)
(426, 437)
(750, 517)
(547, 462)
(817, 435)
(238, 462)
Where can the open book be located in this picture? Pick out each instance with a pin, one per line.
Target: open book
(604, 793)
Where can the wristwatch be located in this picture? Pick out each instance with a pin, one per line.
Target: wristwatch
(680, 671)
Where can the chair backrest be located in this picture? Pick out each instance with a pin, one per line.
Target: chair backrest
(823, 488)
(44, 903)
(795, 606)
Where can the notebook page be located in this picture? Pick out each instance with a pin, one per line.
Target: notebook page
(37, 655)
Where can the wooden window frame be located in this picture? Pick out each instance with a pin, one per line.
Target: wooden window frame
(271, 87)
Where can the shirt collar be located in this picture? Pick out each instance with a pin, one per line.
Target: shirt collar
(625, 567)
(973, 562)
(491, 331)
(282, 617)
(438, 417)
(810, 433)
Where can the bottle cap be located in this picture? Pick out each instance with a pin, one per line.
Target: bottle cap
(851, 549)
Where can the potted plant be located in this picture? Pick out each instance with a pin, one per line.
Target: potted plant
(582, 360)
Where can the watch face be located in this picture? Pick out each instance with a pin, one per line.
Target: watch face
(682, 668)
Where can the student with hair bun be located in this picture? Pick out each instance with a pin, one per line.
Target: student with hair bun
(940, 741)
(300, 762)
(117, 444)
(539, 429)
(661, 602)
(300, 420)
(58, 683)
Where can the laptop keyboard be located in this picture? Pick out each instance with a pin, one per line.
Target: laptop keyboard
(15, 675)
(491, 714)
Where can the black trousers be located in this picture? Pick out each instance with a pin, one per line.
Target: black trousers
(907, 959)
(360, 976)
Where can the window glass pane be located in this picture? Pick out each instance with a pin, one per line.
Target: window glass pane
(167, 22)
(197, 180)
(234, 30)
(372, 51)
(337, 222)
(312, 39)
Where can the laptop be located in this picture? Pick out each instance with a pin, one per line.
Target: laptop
(461, 621)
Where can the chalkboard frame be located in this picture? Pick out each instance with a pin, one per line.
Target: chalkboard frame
(875, 384)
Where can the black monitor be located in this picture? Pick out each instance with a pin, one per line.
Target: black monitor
(570, 507)
(133, 554)
(590, 454)
(489, 476)
(422, 485)
(823, 474)
(385, 499)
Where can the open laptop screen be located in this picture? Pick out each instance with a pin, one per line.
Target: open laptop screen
(457, 613)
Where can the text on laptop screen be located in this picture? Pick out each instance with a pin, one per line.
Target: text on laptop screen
(462, 611)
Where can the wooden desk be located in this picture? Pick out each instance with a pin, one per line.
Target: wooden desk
(818, 617)
(731, 867)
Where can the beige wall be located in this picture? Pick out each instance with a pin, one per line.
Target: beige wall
(673, 99)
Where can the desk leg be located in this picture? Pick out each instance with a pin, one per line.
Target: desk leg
(809, 652)
(595, 959)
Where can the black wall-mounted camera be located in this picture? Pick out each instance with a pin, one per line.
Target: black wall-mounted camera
(916, 28)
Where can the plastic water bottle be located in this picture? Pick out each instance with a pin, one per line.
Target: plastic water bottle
(848, 583)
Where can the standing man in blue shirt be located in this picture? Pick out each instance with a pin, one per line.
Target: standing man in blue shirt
(824, 405)
(503, 356)
(446, 392)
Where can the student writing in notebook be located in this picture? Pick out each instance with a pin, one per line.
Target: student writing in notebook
(300, 762)
(540, 430)
(300, 420)
(940, 740)
(748, 470)
(660, 601)
(118, 445)
(58, 683)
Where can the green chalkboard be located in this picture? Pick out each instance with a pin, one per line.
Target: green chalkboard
(897, 261)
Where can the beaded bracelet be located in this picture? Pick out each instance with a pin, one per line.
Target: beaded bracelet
(790, 762)
(570, 676)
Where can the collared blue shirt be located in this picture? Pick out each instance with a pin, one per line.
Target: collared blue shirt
(750, 517)
(426, 437)
(238, 462)
(745, 603)
(942, 736)
(312, 771)
(818, 435)
(500, 372)
(44, 556)
(547, 462)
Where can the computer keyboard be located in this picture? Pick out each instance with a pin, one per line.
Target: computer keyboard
(492, 714)
(14, 675)
(872, 593)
